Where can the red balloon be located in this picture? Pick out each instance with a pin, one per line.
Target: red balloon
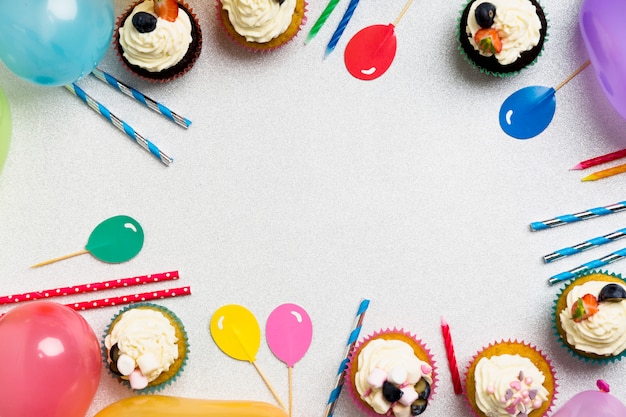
(370, 52)
(50, 362)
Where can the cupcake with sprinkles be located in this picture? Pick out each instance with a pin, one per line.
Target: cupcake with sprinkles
(501, 37)
(391, 373)
(158, 40)
(590, 316)
(510, 379)
(145, 347)
(262, 25)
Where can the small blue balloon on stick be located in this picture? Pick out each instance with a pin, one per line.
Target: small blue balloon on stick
(528, 111)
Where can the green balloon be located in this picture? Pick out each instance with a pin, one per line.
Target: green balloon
(5, 128)
(115, 240)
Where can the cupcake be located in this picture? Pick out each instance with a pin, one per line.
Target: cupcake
(146, 347)
(510, 378)
(262, 25)
(158, 40)
(501, 37)
(590, 316)
(391, 373)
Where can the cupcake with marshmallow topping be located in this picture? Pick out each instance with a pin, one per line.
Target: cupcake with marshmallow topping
(391, 373)
(146, 347)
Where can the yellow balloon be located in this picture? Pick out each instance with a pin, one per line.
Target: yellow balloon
(5, 128)
(236, 332)
(166, 406)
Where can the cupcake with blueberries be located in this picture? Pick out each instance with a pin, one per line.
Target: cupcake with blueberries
(145, 347)
(510, 378)
(158, 40)
(590, 316)
(262, 25)
(391, 373)
(502, 37)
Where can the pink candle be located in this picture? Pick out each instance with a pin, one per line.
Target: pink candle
(454, 369)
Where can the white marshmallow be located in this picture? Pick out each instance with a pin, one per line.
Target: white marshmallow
(125, 364)
(147, 363)
(376, 378)
(397, 375)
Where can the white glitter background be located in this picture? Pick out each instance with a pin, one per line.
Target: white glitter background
(298, 183)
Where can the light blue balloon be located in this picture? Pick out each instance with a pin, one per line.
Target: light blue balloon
(54, 42)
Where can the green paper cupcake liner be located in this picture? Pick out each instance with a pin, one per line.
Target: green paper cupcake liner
(460, 32)
(596, 360)
(150, 389)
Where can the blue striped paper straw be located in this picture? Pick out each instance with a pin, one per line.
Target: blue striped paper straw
(342, 26)
(145, 100)
(354, 335)
(120, 124)
(573, 273)
(584, 215)
(583, 246)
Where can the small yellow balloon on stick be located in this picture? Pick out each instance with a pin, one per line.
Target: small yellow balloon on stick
(237, 333)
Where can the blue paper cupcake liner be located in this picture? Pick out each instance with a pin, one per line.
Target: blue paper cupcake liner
(150, 389)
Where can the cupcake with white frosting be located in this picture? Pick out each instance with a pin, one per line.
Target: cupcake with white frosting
(158, 40)
(590, 316)
(262, 25)
(145, 347)
(501, 37)
(391, 373)
(510, 379)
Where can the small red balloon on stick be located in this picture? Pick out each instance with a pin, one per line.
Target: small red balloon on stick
(454, 369)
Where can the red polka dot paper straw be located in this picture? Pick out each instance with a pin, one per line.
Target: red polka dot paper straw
(92, 287)
(129, 299)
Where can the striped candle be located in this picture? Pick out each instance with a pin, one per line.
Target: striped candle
(352, 339)
(321, 20)
(583, 246)
(597, 263)
(584, 215)
(118, 123)
(342, 26)
(143, 99)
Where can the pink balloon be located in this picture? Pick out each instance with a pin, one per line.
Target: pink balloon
(592, 403)
(603, 27)
(289, 332)
(50, 361)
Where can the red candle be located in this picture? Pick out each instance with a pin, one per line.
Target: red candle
(454, 369)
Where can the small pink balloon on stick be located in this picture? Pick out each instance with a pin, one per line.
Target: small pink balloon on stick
(289, 332)
(371, 51)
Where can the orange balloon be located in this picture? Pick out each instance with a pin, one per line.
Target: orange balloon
(166, 406)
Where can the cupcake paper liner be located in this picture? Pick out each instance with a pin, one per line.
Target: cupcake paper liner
(525, 345)
(596, 360)
(150, 389)
(387, 334)
(254, 46)
(466, 57)
(195, 47)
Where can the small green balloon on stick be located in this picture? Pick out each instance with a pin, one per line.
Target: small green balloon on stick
(115, 240)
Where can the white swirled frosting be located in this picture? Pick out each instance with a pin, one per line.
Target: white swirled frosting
(160, 49)
(145, 333)
(259, 20)
(507, 385)
(603, 333)
(386, 355)
(517, 24)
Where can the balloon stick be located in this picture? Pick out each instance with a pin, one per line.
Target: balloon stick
(572, 75)
(60, 258)
(269, 386)
(406, 7)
